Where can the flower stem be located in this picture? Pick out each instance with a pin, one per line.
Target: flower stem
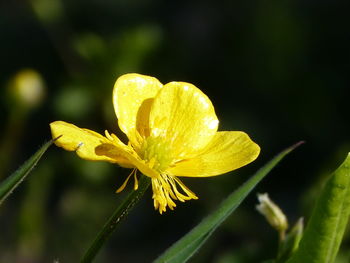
(122, 210)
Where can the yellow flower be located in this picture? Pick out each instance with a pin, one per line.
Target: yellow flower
(172, 132)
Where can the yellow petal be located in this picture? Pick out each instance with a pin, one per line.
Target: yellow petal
(132, 96)
(83, 142)
(112, 151)
(184, 117)
(227, 151)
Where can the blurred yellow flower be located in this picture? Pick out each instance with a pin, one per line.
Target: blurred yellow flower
(172, 132)
(28, 88)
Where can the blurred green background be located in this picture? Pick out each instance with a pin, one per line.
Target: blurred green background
(278, 70)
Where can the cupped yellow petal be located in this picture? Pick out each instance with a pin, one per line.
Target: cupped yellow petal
(183, 117)
(132, 97)
(227, 151)
(83, 141)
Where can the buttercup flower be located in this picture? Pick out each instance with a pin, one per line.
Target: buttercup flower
(172, 132)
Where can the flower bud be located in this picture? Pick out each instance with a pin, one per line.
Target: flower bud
(272, 213)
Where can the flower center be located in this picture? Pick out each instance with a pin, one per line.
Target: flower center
(156, 153)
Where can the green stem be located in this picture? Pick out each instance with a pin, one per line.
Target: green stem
(121, 211)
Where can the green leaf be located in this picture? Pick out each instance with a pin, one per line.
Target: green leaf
(184, 248)
(324, 232)
(15, 179)
(291, 243)
(118, 215)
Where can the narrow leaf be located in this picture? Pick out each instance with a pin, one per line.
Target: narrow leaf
(15, 179)
(184, 248)
(120, 213)
(290, 244)
(324, 232)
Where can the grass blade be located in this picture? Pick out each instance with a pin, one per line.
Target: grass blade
(120, 213)
(15, 179)
(184, 248)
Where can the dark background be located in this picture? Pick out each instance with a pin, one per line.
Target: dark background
(278, 70)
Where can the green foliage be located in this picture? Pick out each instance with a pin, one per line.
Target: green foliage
(120, 213)
(188, 245)
(324, 232)
(290, 244)
(15, 179)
